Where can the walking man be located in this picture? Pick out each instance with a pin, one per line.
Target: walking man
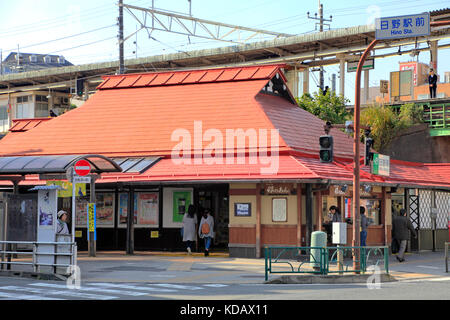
(364, 225)
(432, 81)
(400, 228)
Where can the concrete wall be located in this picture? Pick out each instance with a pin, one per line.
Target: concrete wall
(415, 144)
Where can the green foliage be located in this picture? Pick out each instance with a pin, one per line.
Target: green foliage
(329, 107)
(386, 123)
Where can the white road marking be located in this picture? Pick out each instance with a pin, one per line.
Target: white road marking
(429, 267)
(14, 296)
(120, 292)
(176, 286)
(213, 285)
(69, 292)
(133, 287)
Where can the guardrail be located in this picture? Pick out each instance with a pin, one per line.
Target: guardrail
(7, 252)
(323, 260)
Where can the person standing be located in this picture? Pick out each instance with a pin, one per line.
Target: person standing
(61, 226)
(400, 229)
(189, 224)
(432, 81)
(364, 225)
(205, 229)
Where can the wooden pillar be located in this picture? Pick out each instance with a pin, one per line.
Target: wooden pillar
(299, 215)
(319, 210)
(258, 220)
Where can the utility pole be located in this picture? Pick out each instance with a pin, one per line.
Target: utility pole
(321, 24)
(121, 56)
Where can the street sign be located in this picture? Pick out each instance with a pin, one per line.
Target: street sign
(78, 179)
(381, 165)
(369, 64)
(408, 26)
(92, 219)
(384, 86)
(82, 168)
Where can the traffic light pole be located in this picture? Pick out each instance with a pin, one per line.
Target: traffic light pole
(356, 159)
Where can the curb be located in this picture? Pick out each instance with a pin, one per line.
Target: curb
(330, 279)
(33, 275)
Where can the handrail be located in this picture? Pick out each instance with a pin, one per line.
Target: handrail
(320, 259)
(35, 253)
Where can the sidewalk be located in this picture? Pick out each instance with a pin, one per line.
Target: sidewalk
(178, 267)
(219, 268)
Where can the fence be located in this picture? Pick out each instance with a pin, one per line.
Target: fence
(6, 253)
(323, 260)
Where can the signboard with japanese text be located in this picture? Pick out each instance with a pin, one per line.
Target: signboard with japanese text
(368, 64)
(381, 164)
(384, 86)
(92, 220)
(243, 209)
(402, 26)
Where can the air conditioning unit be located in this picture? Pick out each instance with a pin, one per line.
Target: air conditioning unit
(65, 100)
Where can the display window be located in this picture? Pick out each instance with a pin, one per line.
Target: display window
(104, 210)
(146, 209)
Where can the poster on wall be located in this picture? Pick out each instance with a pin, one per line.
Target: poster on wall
(45, 210)
(81, 212)
(123, 208)
(105, 209)
(243, 209)
(148, 209)
(279, 209)
(67, 189)
(175, 201)
(181, 202)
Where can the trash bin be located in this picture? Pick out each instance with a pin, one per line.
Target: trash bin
(318, 239)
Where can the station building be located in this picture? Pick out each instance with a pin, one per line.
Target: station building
(229, 139)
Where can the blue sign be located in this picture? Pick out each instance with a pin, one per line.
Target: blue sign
(403, 26)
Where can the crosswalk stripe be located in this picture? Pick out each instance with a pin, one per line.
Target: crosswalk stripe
(215, 285)
(133, 287)
(176, 286)
(98, 289)
(14, 296)
(69, 292)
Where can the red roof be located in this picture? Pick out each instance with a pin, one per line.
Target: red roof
(145, 114)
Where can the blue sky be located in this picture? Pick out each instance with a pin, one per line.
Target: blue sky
(28, 22)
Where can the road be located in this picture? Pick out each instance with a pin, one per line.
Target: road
(437, 288)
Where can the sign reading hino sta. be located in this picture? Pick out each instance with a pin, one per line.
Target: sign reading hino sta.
(415, 25)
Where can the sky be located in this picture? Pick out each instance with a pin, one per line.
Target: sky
(85, 31)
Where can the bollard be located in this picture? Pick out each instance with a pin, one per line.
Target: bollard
(318, 239)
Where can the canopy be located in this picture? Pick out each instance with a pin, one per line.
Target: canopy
(54, 164)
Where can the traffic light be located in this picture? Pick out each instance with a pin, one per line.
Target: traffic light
(80, 87)
(368, 156)
(326, 148)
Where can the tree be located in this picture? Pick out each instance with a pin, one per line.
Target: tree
(386, 123)
(328, 107)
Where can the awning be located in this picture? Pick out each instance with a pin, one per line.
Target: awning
(54, 164)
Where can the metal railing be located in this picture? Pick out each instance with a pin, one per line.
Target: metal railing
(323, 260)
(6, 253)
(446, 256)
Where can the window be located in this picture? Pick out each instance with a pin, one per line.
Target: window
(24, 107)
(4, 123)
(41, 107)
(61, 60)
(33, 58)
(47, 59)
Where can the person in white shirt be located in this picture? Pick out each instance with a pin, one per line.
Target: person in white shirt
(189, 224)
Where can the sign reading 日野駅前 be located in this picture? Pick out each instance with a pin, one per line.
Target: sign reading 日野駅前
(402, 26)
